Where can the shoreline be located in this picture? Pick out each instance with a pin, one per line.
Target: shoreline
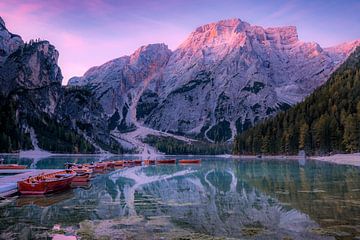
(352, 159)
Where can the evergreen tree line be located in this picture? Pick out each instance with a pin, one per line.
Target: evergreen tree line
(12, 138)
(328, 121)
(54, 137)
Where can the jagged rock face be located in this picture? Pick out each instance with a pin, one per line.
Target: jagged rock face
(31, 76)
(341, 51)
(230, 74)
(9, 42)
(223, 78)
(116, 82)
(78, 108)
(30, 80)
(31, 66)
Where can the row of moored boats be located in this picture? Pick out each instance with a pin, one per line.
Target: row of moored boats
(79, 174)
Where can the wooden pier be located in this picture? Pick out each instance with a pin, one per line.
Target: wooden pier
(8, 184)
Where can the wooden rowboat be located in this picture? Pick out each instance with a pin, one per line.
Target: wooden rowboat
(89, 165)
(119, 164)
(137, 162)
(110, 164)
(83, 174)
(82, 177)
(12, 166)
(100, 167)
(166, 161)
(46, 183)
(128, 163)
(190, 161)
(81, 169)
(149, 162)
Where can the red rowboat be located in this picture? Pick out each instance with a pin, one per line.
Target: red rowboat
(81, 169)
(82, 177)
(128, 163)
(100, 167)
(12, 166)
(89, 165)
(83, 174)
(149, 162)
(166, 161)
(190, 161)
(138, 162)
(110, 164)
(46, 183)
(118, 164)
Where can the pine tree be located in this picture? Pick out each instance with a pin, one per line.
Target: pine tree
(304, 137)
(265, 144)
(326, 121)
(322, 133)
(350, 138)
(3, 142)
(8, 144)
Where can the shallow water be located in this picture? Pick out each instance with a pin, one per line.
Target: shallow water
(247, 199)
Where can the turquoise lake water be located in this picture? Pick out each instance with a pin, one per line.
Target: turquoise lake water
(222, 197)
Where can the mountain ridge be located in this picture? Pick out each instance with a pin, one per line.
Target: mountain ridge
(326, 121)
(36, 112)
(223, 78)
(250, 64)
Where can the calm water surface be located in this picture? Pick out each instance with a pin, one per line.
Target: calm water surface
(226, 198)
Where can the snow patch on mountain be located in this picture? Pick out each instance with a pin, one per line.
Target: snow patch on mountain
(224, 77)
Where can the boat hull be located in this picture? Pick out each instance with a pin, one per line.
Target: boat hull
(137, 162)
(149, 162)
(34, 186)
(110, 165)
(43, 188)
(82, 177)
(166, 161)
(190, 161)
(128, 163)
(100, 168)
(82, 170)
(12, 166)
(118, 164)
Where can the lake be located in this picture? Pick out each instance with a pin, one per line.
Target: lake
(222, 197)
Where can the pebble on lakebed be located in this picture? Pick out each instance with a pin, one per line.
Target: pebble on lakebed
(135, 227)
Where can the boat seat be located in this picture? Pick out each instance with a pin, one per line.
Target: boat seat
(62, 175)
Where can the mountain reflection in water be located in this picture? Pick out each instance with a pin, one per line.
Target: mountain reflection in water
(256, 199)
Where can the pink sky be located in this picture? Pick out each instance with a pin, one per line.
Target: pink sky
(90, 33)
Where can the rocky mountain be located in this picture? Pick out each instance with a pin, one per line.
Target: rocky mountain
(327, 121)
(8, 42)
(225, 76)
(117, 83)
(221, 80)
(36, 111)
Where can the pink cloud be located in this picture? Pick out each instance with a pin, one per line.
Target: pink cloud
(89, 33)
